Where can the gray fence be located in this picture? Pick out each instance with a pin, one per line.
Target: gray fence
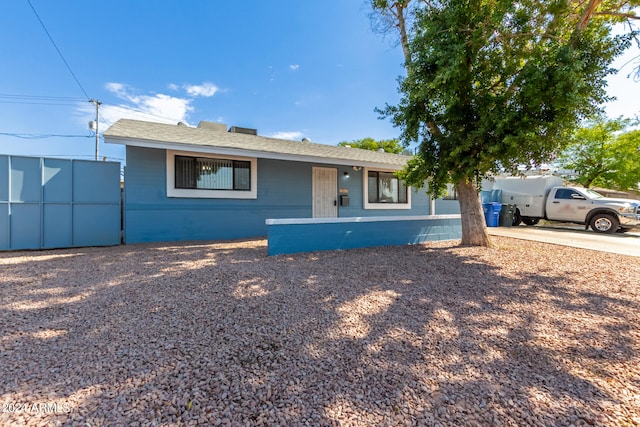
(58, 203)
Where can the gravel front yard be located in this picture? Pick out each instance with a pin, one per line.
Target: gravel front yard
(220, 334)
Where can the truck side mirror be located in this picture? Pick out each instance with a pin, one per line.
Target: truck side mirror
(577, 196)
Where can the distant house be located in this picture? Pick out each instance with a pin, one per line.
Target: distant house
(205, 183)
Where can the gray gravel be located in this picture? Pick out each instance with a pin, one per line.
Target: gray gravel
(220, 334)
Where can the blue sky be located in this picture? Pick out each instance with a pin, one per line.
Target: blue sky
(290, 68)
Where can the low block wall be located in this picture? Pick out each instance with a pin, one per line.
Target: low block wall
(287, 236)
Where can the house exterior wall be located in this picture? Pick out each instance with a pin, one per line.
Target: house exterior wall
(447, 207)
(283, 191)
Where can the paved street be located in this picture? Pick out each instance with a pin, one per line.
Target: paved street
(575, 236)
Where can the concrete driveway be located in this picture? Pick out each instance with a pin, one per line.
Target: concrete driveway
(575, 236)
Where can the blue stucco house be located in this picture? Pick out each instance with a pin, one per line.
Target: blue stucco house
(211, 183)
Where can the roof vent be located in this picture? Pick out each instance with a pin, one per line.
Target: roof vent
(182, 124)
(246, 131)
(220, 127)
(305, 140)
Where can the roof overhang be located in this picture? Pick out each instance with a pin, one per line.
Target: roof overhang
(208, 149)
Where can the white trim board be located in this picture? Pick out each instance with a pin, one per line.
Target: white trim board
(293, 221)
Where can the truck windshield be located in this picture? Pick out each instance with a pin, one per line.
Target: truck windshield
(593, 194)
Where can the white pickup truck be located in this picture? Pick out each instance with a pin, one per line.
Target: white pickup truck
(544, 197)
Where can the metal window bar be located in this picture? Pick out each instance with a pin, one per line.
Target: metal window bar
(241, 175)
(212, 174)
(185, 169)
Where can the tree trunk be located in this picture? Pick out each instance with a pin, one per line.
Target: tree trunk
(402, 29)
(474, 229)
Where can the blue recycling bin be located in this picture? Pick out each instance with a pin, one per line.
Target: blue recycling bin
(492, 213)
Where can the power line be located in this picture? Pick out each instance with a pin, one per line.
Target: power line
(66, 100)
(41, 136)
(57, 49)
(41, 97)
(6, 98)
(34, 103)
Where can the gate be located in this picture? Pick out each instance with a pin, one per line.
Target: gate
(58, 203)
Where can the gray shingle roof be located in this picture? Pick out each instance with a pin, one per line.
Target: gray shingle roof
(149, 134)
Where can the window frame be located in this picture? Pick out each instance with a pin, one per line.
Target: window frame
(566, 191)
(387, 206)
(202, 193)
(451, 193)
(235, 165)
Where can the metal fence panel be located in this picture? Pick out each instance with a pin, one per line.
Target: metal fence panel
(96, 225)
(57, 203)
(4, 226)
(57, 225)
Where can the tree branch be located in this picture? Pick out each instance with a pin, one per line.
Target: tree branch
(620, 14)
(502, 37)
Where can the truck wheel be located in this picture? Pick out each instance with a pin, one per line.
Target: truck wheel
(604, 223)
(530, 221)
(517, 219)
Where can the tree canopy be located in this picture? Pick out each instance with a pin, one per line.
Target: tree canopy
(388, 145)
(492, 84)
(605, 154)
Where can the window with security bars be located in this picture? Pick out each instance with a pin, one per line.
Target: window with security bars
(451, 193)
(212, 174)
(385, 187)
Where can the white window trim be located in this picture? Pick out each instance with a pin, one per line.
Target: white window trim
(388, 206)
(172, 191)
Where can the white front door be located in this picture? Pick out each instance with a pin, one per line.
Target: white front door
(325, 192)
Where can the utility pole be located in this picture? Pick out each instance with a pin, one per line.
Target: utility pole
(97, 104)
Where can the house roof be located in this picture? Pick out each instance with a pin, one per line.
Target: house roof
(216, 140)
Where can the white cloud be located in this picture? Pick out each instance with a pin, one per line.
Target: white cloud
(118, 89)
(156, 108)
(206, 89)
(159, 107)
(294, 67)
(293, 135)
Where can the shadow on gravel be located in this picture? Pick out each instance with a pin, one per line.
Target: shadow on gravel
(204, 333)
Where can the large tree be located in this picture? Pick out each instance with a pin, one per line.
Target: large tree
(605, 154)
(493, 84)
(387, 145)
(394, 17)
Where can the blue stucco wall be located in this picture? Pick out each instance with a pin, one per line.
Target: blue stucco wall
(152, 216)
(447, 207)
(284, 191)
(291, 236)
